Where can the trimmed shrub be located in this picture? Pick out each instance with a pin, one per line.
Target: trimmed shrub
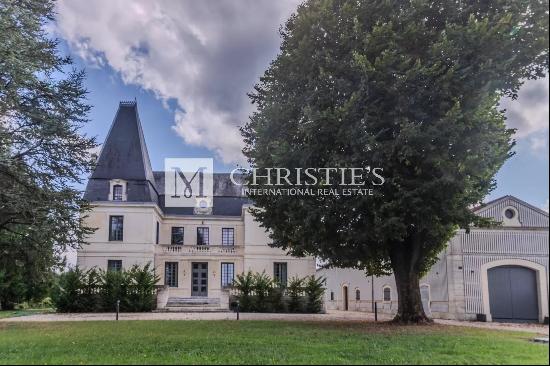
(259, 293)
(262, 285)
(244, 284)
(142, 288)
(314, 289)
(275, 300)
(98, 291)
(114, 287)
(66, 294)
(294, 291)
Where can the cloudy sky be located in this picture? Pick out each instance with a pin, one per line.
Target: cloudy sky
(190, 64)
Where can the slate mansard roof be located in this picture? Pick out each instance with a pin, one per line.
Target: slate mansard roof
(124, 156)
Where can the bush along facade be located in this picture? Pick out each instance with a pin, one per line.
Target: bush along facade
(98, 291)
(257, 292)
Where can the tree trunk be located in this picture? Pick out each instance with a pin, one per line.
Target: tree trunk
(407, 280)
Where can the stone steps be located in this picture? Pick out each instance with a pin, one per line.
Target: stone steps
(197, 309)
(192, 301)
(193, 305)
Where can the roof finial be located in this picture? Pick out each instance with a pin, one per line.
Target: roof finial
(128, 103)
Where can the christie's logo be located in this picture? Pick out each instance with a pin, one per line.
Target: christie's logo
(188, 182)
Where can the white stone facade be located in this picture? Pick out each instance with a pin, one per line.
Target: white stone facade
(457, 287)
(249, 252)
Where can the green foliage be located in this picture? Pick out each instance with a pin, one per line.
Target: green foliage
(294, 291)
(244, 284)
(314, 289)
(262, 286)
(142, 285)
(114, 287)
(91, 283)
(257, 292)
(67, 295)
(275, 300)
(98, 291)
(25, 270)
(411, 87)
(43, 154)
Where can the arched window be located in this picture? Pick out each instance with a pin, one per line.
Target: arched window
(387, 294)
(332, 296)
(357, 295)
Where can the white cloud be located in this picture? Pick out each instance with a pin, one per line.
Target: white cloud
(204, 55)
(208, 55)
(529, 114)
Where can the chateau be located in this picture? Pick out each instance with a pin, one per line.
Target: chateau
(195, 253)
(497, 273)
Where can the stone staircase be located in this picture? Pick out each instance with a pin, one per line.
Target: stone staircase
(193, 305)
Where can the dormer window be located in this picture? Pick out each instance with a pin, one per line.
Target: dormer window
(117, 192)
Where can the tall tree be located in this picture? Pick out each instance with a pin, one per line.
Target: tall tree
(409, 86)
(43, 155)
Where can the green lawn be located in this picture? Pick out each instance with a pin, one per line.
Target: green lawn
(263, 342)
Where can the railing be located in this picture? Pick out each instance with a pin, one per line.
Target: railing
(200, 249)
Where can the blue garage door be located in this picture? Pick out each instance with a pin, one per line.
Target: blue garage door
(513, 294)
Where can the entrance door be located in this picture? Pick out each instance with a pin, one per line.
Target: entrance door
(199, 279)
(513, 294)
(346, 300)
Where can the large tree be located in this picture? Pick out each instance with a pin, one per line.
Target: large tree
(412, 87)
(43, 154)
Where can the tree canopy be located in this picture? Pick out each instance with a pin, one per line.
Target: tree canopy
(43, 153)
(409, 86)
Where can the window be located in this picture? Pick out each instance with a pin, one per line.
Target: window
(280, 273)
(158, 233)
(387, 294)
(114, 265)
(116, 228)
(117, 192)
(228, 273)
(357, 295)
(171, 274)
(203, 236)
(177, 235)
(509, 213)
(332, 296)
(228, 236)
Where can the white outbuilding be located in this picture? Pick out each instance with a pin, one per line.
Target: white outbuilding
(490, 274)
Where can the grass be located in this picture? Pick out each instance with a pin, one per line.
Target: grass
(260, 342)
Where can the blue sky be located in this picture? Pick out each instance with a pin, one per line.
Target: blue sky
(202, 57)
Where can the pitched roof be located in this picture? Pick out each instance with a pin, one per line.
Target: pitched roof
(529, 215)
(124, 154)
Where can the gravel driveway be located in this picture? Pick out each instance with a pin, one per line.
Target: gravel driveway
(330, 316)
